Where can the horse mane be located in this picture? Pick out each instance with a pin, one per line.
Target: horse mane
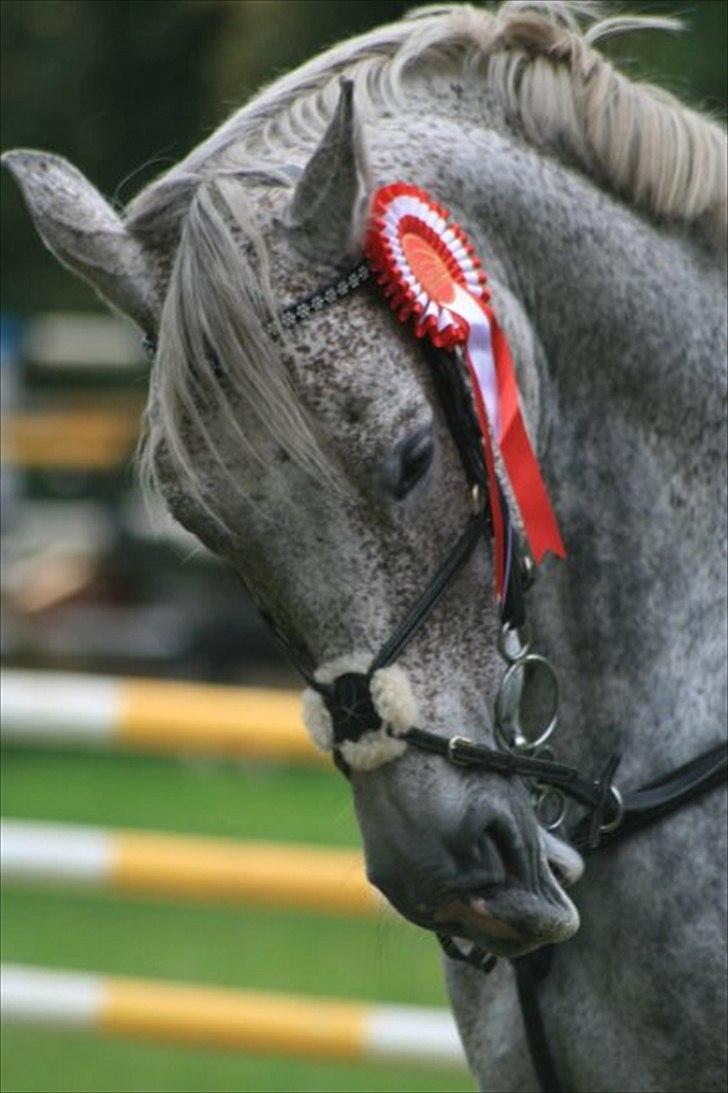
(536, 57)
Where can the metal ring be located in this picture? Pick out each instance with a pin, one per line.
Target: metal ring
(613, 824)
(520, 741)
(555, 794)
(525, 643)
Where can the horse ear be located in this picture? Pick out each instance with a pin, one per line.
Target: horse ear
(85, 233)
(327, 210)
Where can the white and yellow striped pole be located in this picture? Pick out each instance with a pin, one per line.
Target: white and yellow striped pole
(79, 439)
(302, 878)
(221, 1018)
(59, 708)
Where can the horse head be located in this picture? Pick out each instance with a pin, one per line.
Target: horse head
(318, 461)
(319, 458)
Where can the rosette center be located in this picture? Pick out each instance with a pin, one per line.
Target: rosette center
(429, 268)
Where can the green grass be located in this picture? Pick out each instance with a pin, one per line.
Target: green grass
(191, 795)
(58, 1063)
(384, 960)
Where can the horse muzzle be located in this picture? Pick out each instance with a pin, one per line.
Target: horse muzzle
(468, 860)
(510, 920)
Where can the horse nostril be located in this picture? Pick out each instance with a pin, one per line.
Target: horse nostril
(500, 851)
(490, 859)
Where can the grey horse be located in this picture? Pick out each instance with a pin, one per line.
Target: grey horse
(320, 465)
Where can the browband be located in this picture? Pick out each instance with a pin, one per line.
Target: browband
(338, 289)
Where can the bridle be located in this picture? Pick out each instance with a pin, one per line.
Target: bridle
(609, 815)
(608, 811)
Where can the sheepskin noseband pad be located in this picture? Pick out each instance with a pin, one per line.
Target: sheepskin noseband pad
(361, 716)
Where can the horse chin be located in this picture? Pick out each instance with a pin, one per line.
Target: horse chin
(511, 920)
(510, 923)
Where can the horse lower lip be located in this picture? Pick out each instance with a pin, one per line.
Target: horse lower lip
(475, 914)
(483, 918)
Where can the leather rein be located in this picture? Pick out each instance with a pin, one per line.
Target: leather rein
(609, 815)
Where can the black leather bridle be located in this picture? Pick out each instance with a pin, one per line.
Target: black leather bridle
(609, 816)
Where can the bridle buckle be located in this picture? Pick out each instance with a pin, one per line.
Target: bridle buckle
(460, 750)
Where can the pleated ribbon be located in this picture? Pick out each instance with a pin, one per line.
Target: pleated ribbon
(430, 273)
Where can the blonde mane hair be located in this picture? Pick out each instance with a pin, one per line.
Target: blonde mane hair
(537, 57)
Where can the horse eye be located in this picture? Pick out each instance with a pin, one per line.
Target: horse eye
(409, 462)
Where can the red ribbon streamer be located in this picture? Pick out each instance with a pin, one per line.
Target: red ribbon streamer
(519, 459)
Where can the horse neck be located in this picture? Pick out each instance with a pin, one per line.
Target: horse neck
(632, 437)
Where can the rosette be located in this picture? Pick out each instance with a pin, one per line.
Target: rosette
(430, 273)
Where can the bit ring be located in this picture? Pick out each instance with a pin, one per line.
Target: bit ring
(551, 793)
(501, 713)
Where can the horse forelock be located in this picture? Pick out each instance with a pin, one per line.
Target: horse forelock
(216, 355)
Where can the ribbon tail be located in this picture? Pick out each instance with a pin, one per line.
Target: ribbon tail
(539, 521)
(494, 493)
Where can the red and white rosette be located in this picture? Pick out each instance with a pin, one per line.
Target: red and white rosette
(432, 275)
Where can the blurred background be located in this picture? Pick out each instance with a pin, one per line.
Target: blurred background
(90, 583)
